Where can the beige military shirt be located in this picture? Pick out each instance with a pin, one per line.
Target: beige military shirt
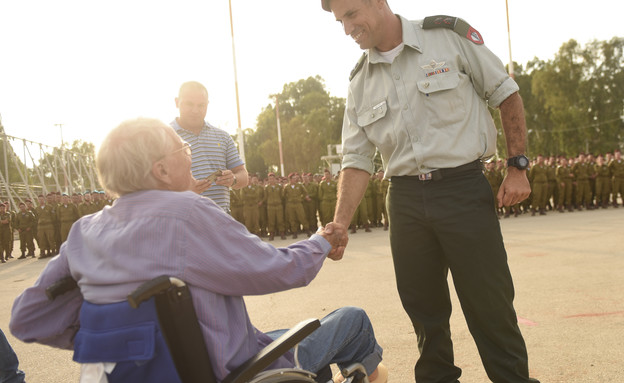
(428, 108)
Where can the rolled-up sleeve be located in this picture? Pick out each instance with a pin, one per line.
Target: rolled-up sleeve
(357, 151)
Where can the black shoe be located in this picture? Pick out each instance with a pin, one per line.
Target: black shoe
(22, 257)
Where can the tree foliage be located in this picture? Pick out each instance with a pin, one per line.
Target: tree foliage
(310, 119)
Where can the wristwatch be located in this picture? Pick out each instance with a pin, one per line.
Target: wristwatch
(235, 180)
(521, 162)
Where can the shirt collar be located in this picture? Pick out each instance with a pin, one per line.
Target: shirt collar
(410, 39)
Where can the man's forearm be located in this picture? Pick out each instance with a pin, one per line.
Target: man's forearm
(351, 188)
(514, 124)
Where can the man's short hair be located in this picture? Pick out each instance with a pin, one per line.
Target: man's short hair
(124, 161)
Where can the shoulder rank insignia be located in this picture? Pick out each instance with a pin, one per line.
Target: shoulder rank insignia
(358, 66)
(456, 24)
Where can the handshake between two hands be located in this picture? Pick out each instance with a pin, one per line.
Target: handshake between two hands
(336, 235)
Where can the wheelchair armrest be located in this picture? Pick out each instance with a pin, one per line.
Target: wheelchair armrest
(60, 287)
(272, 352)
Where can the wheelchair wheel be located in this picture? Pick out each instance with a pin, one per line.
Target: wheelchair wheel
(284, 375)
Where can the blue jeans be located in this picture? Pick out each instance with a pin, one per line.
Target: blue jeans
(9, 373)
(345, 337)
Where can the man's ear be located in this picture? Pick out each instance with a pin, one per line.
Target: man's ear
(160, 171)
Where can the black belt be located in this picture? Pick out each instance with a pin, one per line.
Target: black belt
(439, 174)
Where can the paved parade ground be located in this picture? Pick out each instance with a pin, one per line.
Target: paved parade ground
(568, 271)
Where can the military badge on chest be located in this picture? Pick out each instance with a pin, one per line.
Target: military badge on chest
(434, 68)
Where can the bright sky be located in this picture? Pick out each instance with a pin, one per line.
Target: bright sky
(89, 65)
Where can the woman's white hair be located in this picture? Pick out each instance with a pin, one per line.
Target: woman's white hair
(124, 161)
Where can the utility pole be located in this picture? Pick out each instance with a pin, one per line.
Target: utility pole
(239, 131)
(511, 66)
(61, 127)
(279, 135)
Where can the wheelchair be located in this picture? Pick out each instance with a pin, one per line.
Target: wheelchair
(155, 337)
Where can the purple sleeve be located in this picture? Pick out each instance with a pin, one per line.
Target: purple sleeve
(225, 258)
(35, 318)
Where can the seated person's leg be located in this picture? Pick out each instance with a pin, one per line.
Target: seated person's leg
(345, 337)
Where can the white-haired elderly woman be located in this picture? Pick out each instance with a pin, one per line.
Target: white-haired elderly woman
(158, 227)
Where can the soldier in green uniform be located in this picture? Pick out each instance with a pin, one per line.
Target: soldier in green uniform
(384, 183)
(66, 214)
(252, 199)
(25, 223)
(311, 205)
(45, 228)
(5, 234)
(31, 208)
(551, 197)
(603, 182)
(87, 206)
(237, 205)
(538, 175)
(581, 173)
(565, 179)
(616, 165)
(294, 194)
(274, 198)
(360, 218)
(494, 179)
(327, 192)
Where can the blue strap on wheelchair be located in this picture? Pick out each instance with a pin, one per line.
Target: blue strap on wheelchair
(129, 337)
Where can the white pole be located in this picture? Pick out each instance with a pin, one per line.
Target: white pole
(239, 131)
(279, 135)
(511, 66)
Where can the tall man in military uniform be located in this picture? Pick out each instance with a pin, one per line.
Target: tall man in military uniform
(274, 198)
(582, 172)
(25, 223)
(538, 175)
(420, 95)
(46, 215)
(5, 234)
(294, 194)
(565, 179)
(327, 193)
(616, 165)
(311, 205)
(252, 198)
(66, 213)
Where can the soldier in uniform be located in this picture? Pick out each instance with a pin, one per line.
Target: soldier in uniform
(25, 223)
(237, 205)
(581, 175)
(274, 198)
(603, 182)
(252, 199)
(311, 206)
(384, 183)
(565, 179)
(538, 175)
(66, 213)
(33, 210)
(493, 177)
(616, 165)
(5, 234)
(46, 216)
(327, 192)
(551, 197)
(294, 194)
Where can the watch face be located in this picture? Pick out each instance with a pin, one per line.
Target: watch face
(523, 161)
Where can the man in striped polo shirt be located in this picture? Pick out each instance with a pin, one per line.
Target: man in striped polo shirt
(213, 149)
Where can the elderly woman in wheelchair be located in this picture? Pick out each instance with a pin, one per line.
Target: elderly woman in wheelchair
(184, 265)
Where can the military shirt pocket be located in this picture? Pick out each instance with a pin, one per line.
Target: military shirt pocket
(438, 83)
(442, 99)
(370, 115)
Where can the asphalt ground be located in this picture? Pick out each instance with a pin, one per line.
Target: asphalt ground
(568, 271)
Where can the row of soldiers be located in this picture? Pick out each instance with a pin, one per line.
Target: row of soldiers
(565, 184)
(48, 223)
(298, 203)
